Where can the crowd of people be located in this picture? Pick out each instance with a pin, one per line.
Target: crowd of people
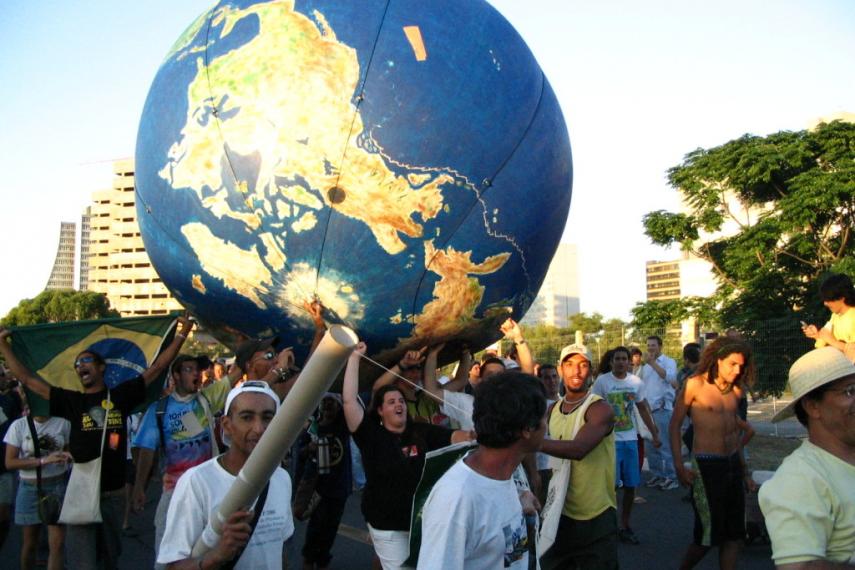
(542, 452)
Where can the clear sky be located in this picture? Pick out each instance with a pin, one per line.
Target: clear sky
(640, 83)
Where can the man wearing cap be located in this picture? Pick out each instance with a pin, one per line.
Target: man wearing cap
(249, 409)
(88, 411)
(809, 504)
(180, 425)
(587, 531)
(258, 359)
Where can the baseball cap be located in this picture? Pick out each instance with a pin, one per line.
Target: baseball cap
(247, 348)
(816, 368)
(572, 349)
(258, 386)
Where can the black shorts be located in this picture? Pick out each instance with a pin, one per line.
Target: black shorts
(718, 497)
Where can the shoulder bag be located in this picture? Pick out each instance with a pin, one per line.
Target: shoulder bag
(82, 504)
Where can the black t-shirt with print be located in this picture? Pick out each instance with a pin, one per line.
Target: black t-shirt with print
(393, 466)
(86, 412)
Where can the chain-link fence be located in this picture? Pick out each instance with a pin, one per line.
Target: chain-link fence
(776, 344)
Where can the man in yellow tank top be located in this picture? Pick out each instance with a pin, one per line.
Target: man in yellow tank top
(587, 531)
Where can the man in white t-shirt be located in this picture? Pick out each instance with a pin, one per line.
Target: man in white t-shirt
(659, 373)
(248, 411)
(625, 393)
(472, 518)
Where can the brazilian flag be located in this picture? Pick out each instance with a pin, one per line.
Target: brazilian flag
(128, 345)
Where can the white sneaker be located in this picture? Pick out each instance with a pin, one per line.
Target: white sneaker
(668, 485)
(655, 482)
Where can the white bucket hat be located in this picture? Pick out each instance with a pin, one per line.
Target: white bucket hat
(816, 368)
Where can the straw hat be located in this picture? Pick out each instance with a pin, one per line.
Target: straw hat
(816, 368)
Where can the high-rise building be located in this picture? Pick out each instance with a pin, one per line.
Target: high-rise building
(663, 280)
(118, 263)
(558, 298)
(83, 275)
(62, 274)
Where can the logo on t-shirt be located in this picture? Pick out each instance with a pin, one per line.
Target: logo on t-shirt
(516, 543)
(410, 450)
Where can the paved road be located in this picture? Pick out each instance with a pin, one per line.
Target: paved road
(664, 525)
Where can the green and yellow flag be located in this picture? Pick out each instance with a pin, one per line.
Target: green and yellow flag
(128, 345)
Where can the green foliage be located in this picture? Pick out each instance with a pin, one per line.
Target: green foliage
(599, 333)
(778, 213)
(53, 306)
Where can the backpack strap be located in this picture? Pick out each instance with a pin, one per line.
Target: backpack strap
(159, 412)
(206, 406)
(259, 506)
(37, 452)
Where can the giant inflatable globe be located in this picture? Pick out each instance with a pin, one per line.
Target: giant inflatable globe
(404, 162)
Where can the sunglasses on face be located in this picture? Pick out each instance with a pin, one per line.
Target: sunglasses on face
(83, 360)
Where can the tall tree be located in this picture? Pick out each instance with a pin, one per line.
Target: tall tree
(772, 215)
(53, 306)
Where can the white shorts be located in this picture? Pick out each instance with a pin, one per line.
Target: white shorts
(392, 547)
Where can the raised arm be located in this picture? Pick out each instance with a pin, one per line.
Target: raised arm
(512, 331)
(353, 411)
(600, 419)
(185, 325)
(284, 375)
(431, 384)
(316, 311)
(411, 358)
(461, 378)
(32, 381)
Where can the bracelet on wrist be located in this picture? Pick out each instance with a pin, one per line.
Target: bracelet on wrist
(520, 341)
(181, 335)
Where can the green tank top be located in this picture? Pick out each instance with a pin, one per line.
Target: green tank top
(592, 479)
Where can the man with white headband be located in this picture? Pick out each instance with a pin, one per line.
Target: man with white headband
(253, 541)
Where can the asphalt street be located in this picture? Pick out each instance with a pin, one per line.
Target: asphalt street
(663, 523)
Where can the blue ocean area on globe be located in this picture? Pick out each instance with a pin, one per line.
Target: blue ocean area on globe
(406, 163)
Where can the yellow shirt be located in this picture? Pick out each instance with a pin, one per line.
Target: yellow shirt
(809, 506)
(592, 479)
(841, 326)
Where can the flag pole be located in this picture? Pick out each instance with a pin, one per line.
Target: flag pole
(317, 376)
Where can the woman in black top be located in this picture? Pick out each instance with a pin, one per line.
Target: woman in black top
(393, 452)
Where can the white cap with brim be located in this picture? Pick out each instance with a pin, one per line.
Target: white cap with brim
(572, 349)
(257, 386)
(816, 368)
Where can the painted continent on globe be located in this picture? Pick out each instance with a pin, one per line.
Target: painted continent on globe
(412, 177)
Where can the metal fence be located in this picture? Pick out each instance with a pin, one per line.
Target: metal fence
(776, 344)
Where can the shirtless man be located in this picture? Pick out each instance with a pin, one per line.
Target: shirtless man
(718, 466)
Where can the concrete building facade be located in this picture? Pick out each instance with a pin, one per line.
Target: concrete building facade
(558, 298)
(83, 273)
(118, 264)
(62, 274)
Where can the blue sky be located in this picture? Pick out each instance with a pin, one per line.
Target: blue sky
(641, 84)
